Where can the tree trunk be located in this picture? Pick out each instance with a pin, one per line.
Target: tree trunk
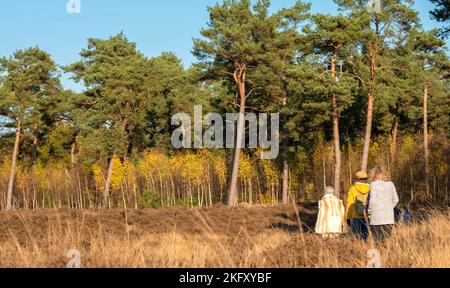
(373, 54)
(426, 149)
(250, 191)
(368, 134)
(35, 143)
(108, 182)
(106, 192)
(324, 167)
(337, 149)
(232, 192)
(336, 135)
(285, 173)
(285, 188)
(394, 141)
(73, 159)
(13, 167)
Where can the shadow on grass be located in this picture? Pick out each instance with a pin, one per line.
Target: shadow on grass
(289, 221)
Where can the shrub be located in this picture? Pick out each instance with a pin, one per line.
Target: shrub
(150, 200)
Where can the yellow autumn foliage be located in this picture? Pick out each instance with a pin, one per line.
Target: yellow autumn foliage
(194, 169)
(5, 168)
(220, 169)
(154, 163)
(22, 176)
(40, 174)
(118, 174)
(199, 177)
(130, 171)
(271, 173)
(98, 177)
(122, 173)
(246, 167)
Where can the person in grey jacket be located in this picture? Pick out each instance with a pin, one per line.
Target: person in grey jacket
(383, 198)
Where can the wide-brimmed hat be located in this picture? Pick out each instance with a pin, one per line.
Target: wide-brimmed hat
(361, 175)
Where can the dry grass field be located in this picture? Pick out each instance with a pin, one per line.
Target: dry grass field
(207, 237)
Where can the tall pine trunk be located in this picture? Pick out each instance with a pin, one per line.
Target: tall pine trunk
(394, 140)
(369, 119)
(73, 159)
(336, 135)
(233, 192)
(13, 167)
(426, 150)
(35, 143)
(108, 182)
(368, 133)
(373, 53)
(107, 189)
(285, 186)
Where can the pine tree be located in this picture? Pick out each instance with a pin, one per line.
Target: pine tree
(230, 50)
(281, 45)
(442, 14)
(332, 37)
(379, 29)
(432, 61)
(30, 80)
(114, 74)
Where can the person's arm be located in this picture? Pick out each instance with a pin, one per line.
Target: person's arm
(342, 212)
(319, 219)
(373, 196)
(395, 198)
(350, 202)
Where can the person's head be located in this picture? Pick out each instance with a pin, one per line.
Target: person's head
(329, 190)
(379, 174)
(361, 176)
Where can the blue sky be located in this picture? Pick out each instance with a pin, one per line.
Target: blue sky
(155, 25)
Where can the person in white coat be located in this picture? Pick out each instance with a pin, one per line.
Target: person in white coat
(383, 198)
(331, 217)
